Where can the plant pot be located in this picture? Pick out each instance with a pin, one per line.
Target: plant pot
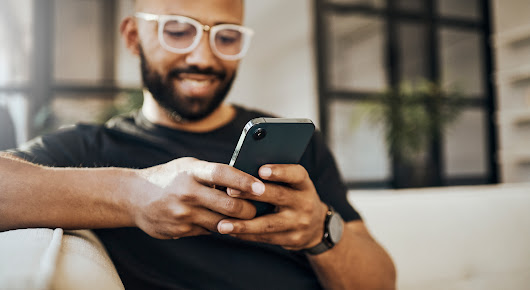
(415, 172)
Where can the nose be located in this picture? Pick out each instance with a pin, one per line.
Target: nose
(202, 56)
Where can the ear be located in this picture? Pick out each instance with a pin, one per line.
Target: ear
(129, 33)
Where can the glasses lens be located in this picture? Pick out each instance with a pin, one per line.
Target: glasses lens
(229, 41)
(179, 34)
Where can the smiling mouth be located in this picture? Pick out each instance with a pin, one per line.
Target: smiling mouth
(198, 85)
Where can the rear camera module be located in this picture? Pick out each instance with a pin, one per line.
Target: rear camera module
(259, 134)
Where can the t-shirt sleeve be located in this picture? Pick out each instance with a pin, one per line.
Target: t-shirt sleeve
(67, 147)
(321, 166)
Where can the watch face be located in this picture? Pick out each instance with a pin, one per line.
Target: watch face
(335, 228)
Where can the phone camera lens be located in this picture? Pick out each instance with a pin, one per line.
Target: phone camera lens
(259, 134)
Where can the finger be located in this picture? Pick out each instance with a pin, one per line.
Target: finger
(196, 231)
(290, 240)
(287, 240)
(277, 194)
(221, 203)
(207, 219)
(272, 223)
(274, 239)
(178, 231)
(293, 174)
(227, 176)
(233, 192)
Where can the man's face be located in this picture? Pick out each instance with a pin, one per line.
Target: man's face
(187, 86)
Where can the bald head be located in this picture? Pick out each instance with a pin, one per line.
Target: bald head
(179, 7)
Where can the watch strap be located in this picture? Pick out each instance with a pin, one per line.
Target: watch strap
(318, 249)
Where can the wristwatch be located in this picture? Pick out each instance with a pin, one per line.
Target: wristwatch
(333, 227)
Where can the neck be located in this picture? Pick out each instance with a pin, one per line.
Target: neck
(157, 115)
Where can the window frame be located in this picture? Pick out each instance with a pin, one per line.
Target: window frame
(434, 22)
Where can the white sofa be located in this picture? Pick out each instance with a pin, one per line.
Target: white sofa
(473, 238)
(457, 238)
(55, 259)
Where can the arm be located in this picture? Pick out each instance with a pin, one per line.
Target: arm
(356, 262)
(38, 196)
(167, 201)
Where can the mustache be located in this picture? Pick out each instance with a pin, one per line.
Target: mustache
(174, 73)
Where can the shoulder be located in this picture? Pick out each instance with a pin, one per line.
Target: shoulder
(64, 147)
(123, 120)
(72, 132)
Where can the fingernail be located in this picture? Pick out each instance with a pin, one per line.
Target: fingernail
(265, 172)
(233, 192)
(226, 228)
(258, 188)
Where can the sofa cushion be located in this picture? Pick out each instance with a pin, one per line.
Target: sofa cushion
(51, 259)
(21, 252)
(475, 237)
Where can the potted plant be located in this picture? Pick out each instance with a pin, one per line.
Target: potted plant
(414, 116)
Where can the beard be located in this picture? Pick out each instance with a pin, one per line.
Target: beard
(179, 107)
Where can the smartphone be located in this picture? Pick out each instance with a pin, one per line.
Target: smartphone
(271, 141)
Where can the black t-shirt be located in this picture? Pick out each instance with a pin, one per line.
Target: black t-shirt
(205, 262)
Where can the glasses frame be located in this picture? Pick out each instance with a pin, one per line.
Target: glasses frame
(163, 19)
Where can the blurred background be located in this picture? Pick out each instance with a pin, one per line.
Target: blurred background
(408, 93)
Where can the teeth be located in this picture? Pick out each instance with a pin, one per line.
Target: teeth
(197, 83)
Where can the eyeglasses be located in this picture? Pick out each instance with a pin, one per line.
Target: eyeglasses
(181, 34)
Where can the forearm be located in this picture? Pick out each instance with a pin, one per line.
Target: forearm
(356, 262)
(71, 198)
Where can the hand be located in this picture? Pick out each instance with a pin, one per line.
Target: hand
(177, 199)
(299, 220)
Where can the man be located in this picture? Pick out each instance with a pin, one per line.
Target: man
(166, 225)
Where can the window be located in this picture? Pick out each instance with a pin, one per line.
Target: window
(368, 47)
(16, 33)
(62, 61)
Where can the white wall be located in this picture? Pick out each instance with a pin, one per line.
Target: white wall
(278, 74)
(512, 55)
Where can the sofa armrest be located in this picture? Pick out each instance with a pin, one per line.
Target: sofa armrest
(55, 259)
